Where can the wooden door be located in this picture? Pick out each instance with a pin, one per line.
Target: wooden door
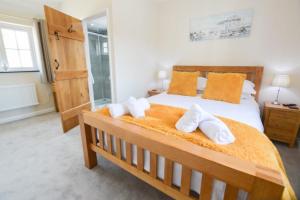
(66, 45)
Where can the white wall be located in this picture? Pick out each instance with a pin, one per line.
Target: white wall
(93, 8)
(274, 41)
(44, 94)
(147, 35)
(134, 34)
(16, 11)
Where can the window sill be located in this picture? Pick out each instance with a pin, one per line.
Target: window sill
(28, 71)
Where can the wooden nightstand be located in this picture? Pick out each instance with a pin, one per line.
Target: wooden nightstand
(154, 92)
(281, 123)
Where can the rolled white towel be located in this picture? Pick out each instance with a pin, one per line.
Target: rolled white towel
(190, 120)
(205, 115)
(117, 109)
(135, 107)
(217, 131)
(145, 103)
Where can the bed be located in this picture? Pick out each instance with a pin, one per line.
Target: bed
(178, 168)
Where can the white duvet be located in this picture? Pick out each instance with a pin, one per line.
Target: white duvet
(246, 112)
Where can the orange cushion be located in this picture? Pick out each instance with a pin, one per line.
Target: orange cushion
(183, 83)
(224, 87)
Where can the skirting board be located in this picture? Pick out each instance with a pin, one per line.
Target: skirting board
(26, 115)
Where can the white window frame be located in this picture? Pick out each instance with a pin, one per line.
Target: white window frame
(105, 49)
(4, 67)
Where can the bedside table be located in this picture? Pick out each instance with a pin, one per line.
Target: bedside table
(154, 92)
(281, 123)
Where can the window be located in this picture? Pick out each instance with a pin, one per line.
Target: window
(16, 48)
(105, 48)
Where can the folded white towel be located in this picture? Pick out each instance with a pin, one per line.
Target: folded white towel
(135, 107)
(190, 120)
(117, 109)
(211, 126)
(144, 103)
(217, 131)
(205, 115)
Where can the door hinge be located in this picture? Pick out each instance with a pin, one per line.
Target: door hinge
(56, 33)
(57, 64)
(70, 29)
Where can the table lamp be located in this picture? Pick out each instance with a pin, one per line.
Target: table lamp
(162, 74)
(280, 80)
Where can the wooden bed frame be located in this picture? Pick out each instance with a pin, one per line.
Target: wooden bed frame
(260, 183)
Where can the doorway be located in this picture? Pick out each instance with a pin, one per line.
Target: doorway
(97, 46)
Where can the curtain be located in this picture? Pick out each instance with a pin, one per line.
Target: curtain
(42, 41)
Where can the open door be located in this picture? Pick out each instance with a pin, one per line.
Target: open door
(66, 45)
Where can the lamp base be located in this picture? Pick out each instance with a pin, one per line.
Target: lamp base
(275, 103)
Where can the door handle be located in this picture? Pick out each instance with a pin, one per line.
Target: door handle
(57, 64)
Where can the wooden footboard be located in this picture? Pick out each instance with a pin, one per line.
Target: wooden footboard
(260, 183)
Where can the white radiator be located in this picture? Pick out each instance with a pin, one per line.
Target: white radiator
(17, 96)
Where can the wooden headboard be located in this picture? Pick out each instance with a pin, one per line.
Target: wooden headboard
(254, 73)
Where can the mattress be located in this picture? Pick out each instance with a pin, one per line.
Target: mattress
(246, 112)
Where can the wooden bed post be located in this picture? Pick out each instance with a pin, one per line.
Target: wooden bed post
(90, 158)
(268, 184)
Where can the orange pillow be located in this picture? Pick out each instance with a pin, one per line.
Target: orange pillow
(184, 83)
(224, 87)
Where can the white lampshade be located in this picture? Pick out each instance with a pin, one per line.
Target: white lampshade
(281, 80)
(162, 74)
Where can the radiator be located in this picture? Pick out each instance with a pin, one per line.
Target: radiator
(17, 96)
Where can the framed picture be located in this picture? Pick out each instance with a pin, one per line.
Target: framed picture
(229, 25)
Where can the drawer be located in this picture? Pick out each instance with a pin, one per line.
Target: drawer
(287, 116)
(281, 123)
(278, 134)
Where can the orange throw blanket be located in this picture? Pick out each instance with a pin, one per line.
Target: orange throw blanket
(262, 152)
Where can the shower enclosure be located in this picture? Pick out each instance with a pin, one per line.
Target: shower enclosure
(99, 59)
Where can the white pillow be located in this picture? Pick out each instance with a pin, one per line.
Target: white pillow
(201, 83)
(248, 87)
(246, 96)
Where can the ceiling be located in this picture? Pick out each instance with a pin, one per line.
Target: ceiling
(33, 8)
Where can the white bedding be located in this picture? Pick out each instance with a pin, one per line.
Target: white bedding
(247, 112)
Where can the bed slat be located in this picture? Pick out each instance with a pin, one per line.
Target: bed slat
(109, 143)
(185, 180)
(101, 139)
(118, 144)
(168, 172)
(153, 165)
(206, 187)
(231, 192)
(140, 158)
(128, 153)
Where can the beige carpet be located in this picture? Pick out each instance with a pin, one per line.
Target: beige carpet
(38, 162)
